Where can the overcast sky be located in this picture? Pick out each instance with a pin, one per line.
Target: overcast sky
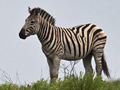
(26, 58)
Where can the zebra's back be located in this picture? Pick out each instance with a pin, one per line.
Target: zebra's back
(79, 41)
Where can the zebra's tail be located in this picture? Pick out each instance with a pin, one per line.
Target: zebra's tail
(104, 66)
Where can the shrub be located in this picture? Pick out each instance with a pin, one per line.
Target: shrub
(72, 82)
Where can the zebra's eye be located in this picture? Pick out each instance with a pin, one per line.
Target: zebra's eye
(32, 22)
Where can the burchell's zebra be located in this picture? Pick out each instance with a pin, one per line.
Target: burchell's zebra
(79, 42)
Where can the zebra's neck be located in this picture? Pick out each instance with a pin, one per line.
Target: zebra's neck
(45, 31)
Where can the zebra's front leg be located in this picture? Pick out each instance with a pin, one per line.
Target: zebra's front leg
(53, 67)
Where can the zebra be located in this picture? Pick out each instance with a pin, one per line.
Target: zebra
(79, 42)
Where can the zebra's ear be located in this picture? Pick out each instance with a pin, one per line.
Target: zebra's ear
(29, 9)
(37, 11)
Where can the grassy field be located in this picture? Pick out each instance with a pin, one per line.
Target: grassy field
(72, 82)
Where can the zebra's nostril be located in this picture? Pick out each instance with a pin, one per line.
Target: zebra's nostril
(22, 34)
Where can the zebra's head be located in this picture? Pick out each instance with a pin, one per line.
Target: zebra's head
(32, 25)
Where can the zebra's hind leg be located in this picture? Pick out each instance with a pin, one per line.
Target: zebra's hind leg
(53, 68)
(98, 60)
(87, 63)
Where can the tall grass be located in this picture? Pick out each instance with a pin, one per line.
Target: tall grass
(72, 82)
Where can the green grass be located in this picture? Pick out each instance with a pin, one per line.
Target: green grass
(72, 82)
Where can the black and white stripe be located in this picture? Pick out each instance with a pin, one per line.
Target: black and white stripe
(79, 42)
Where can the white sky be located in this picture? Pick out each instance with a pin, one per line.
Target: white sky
(26, 58)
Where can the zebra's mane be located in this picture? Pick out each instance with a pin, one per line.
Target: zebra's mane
(45, 15)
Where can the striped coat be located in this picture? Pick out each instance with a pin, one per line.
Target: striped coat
(79, 42)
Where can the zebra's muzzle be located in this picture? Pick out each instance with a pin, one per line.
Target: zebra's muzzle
(22, 34)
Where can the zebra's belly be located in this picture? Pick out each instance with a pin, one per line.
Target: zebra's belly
(71, 58)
